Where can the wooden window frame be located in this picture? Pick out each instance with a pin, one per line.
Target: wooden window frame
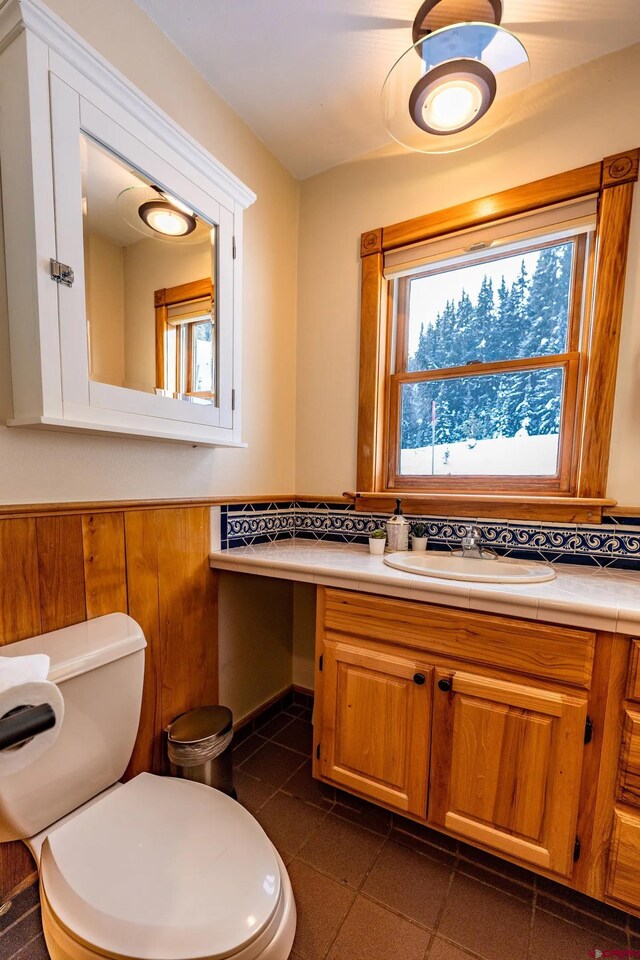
(169, 297)
(583, 493)
(568, 361)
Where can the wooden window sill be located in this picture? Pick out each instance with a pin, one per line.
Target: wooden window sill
(553, 509)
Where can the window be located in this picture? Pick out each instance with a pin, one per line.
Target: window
(485, 373)
(185, 341)
(489, 338)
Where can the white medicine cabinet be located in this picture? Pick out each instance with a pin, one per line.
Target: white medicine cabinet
(123, 249)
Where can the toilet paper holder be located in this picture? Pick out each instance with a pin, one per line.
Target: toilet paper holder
(22, 724)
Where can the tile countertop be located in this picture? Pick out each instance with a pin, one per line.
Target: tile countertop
(596, 598)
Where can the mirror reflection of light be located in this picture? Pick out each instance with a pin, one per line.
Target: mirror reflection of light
(251, 921)
(167, 221)
(178, 204)
(269, 885)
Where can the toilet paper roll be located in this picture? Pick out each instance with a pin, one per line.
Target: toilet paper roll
(30, 694)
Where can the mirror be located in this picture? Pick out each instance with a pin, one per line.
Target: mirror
(149, 283)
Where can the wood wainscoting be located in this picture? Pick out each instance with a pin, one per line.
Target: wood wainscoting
(60, 569)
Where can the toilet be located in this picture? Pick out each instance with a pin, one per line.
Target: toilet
(153, 869)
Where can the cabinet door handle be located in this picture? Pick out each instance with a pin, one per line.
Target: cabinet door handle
(444, 685)
(419, 678)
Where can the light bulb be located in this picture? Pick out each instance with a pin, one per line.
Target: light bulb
(452, 105)
(166, 219)
(452, 96)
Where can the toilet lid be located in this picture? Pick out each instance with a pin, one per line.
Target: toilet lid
(162, 868)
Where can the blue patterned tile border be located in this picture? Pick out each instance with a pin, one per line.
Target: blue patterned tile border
(613, 543)
(243, 525)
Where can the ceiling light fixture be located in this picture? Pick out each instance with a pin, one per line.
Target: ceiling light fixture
(460, 80)
(169, 197)
(165, 218)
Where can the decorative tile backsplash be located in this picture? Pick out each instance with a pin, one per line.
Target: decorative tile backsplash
(616, 542)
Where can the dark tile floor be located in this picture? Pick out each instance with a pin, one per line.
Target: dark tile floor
(372, 886)
(21, 928)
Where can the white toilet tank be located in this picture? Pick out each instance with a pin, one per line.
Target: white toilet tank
(99, 667)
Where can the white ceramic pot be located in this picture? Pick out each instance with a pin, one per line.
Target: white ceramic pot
(418, 543)
(377, 545)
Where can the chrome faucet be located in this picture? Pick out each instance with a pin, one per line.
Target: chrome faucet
(470, 545)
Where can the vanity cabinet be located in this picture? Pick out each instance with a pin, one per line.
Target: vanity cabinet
(629, 782)
(376, 720)
(623, 885)
(91, 170)
(505, 766)
(625, 859)
(472, 723)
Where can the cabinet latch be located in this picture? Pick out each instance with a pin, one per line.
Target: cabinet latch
(576, 850)
(320, 662)
(62, 273)
(588, 730)
(318, 752)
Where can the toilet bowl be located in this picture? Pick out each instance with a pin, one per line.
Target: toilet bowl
(153, 869)
(164, 869)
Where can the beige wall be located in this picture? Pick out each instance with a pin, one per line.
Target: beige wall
(255, 648)
(303, 639)
(104, 285)
(578, 118)
(43, 466)
(150, 265)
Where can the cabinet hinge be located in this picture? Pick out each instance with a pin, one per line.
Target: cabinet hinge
(235, 251)
(233, 399)
(576, 850)
(320, 662)
(588, 730)
(318, 752)
(61, 272)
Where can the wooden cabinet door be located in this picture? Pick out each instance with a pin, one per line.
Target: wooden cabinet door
(505, 768)
(376, 709)
(624, 863)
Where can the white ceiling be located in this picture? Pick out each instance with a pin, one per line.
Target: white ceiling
(306, 74)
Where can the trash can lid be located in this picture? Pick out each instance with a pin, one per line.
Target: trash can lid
(201, 724)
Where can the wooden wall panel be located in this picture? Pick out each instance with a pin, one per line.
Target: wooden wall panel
(60, 571)
(141, 533)
(104, 564)
(188, 613)
(19, 586)
(17, 869)
(152, 563)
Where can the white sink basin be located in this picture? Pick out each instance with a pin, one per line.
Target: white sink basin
(486, 570)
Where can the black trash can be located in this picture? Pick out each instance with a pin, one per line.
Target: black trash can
(199, 746)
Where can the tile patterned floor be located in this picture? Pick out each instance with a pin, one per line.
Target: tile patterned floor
(372, 886)
(21, 928)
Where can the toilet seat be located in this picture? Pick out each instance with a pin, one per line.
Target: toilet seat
(164, 869)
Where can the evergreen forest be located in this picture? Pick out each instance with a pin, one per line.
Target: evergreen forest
(527, 318)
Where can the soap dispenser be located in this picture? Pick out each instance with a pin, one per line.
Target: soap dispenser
(398, 530)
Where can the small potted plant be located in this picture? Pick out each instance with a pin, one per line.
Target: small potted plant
(418, 536)
(377, 541)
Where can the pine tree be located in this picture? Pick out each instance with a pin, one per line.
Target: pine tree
(527, 318)
(514, 345)
(547, 305)
(485, 319)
